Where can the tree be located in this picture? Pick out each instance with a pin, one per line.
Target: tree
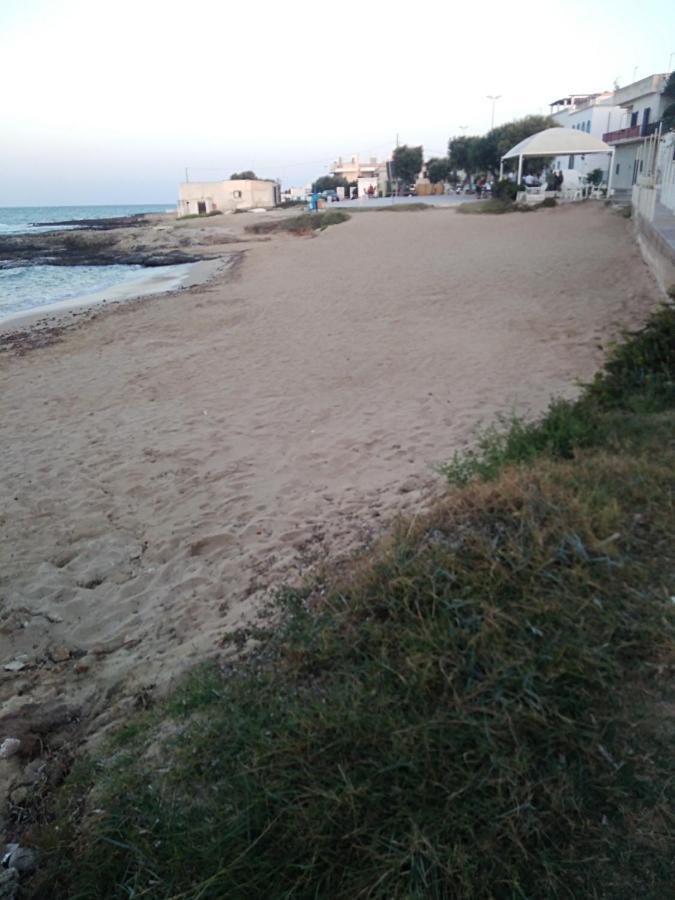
(329, 183)
(668, 116)
(500, 140)
(465, 153)
(247, 175)
(407, 163)
(476, 154)
(438, 170)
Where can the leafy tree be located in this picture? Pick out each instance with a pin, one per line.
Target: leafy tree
(407, 163)
(595, 177)
(465, 153)
(329, 183)
(499, 140)
(438, 170)
(475, 154)
(669, 89)
(247, 175)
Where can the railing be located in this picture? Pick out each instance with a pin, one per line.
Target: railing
(650, 128)
(636, 131)
(623, 134)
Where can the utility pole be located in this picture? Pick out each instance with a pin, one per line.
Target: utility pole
(494, 98)
(187, 177)
(670, 61)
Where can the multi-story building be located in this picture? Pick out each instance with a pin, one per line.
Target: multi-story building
(595, 114)
(642, 104)
(376, 173)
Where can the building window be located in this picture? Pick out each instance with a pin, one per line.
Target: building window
(236, 195)
(570, 162)
(633, 119)
(588, 126)
(618, 166)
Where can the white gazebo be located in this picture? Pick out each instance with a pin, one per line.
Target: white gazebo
(558, 142)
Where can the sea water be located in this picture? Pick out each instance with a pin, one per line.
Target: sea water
(22, 219)
(24, 288)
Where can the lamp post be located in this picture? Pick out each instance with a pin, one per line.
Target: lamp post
(494, 98)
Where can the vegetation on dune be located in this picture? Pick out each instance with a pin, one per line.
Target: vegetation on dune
(469, 711)
(405, 207)
(302, 224)
(496, 206)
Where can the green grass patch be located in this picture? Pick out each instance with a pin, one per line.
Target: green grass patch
(638, 377)
(470, 711)
(405, 207)
(302, 224)
(494, 207)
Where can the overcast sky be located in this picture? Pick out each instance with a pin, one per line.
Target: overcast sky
(108, 103)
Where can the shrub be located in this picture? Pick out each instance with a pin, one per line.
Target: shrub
(303, 224)
(505, 190)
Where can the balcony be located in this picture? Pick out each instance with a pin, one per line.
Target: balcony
(629, 134)
(623, 134)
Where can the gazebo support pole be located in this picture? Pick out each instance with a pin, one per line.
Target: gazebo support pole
(520, 170)
(611, 174)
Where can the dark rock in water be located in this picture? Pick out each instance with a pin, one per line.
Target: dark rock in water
(134, 221)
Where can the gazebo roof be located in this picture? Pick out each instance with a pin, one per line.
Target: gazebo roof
(558, 141)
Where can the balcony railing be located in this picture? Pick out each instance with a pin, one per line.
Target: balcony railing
(626, 134)
(623, 134)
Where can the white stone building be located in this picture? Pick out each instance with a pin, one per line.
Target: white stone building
(594, 114)
(642, 104)
(205, 197)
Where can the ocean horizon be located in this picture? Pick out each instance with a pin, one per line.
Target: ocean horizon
(22, 219)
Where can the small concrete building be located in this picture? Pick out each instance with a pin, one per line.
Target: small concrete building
(201, 198)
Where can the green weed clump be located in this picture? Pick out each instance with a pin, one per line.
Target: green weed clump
(302, 224)
(468, 712)
(405, 207)
(492, 206)
(637, 377)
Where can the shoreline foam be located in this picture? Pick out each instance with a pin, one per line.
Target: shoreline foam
(150, 282)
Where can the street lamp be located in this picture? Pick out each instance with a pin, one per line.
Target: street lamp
(494, 98)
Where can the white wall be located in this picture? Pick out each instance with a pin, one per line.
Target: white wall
(666, 171)
(224, 196)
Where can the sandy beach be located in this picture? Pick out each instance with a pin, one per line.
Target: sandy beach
(167, 463)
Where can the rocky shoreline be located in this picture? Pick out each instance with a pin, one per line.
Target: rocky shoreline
(97, 242)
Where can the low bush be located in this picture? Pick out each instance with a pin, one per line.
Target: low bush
(302, 224)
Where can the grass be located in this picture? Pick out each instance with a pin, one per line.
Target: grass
(638, 378)
(405, 207)
(209, 215)
(474, 710)
(495, 206)
(302, 224)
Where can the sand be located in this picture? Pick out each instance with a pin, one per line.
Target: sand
(169, 463)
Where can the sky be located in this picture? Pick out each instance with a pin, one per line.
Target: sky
(111, 102)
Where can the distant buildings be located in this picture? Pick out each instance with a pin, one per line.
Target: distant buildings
(203, 198)
(364, 174)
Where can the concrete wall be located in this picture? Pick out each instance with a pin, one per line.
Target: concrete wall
(203, 197)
